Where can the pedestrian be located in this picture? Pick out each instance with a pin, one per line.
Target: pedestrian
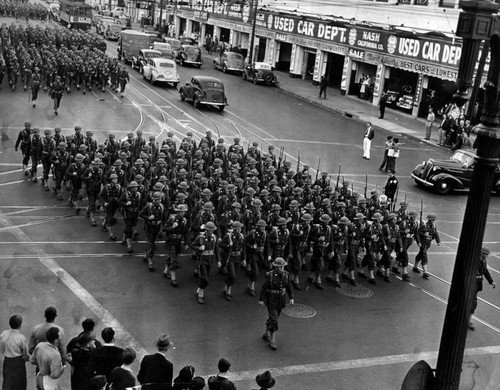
(431, 117)
(322, 86)
(39, 333)
(35, 152)
(121, 377)
(123, 78)
(56, 93)
(36, 81)
(367, 140)
(273, 294)
(106, 357)
(48, 360)
(79, 358)
(187, 381)
(482, 271)
(382, 104)
(156, 370)
(388, 145)
(14, 348)
(265, 380)
(24, 142)
(392, 155)
(427, 233)
(221, 381)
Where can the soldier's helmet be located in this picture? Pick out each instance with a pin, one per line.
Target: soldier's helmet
(257, 203)
(279, 262)
(392, 216)
(210, 226)
(47, 132)
(139, 161)
(359, 216)
(431, 217)
(325, 202)
(236, 205)
(344, 221)
(62, 145)
(485, 250)
(325, 218)
(306, 217)
(208, 206)
(183, 185)
(181, 208)
(206, 192)
(156, 195)
(294, 203)
(236, 225)
(412, 213)
(79, 157)
(261, 223)
(281, 221)
(118, 163)
(133, 184)
(113, 176)
(377, 217)
(276, 207)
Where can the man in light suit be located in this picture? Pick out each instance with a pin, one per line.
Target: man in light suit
(156, 371)
(367, 140)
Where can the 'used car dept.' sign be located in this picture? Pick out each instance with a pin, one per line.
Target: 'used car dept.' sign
(430, 50)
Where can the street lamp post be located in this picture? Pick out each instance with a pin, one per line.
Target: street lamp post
(254, 5)
(476, 23)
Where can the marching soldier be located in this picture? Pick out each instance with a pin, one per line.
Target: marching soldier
(279, 239)
(482, 271)
(35, 152)
(24, 142)
(339, 244)
(300, 242)
(36, 81)
(130, 202)
(427, 232)
(392, 240)
(233, 254)
(409, 230)
(277, 284)
(109, 196)
(60, 159)
(56, 93)
(354, 243)
(153, 215)
(375, 245)
(48, 148)
(176, 229)
(74, 174)
(257, 244)
(93, 179)
(322, 250)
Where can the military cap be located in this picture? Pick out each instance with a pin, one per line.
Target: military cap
(276, 207)
(35, 130)
(271, 168)
(208, 206)
(264, 192)
(377, 217)
(118, 163)
(78, 128)
(281, 221)
(336, 194)
(208, 132)
(57, 129)
(277, 189)
(220, 140)
(182, 171)
(125, 144)
(391, 216)
(210, 226)
(325, 218)
(236, 205)
(189, 133)
(324, 173)
(431, 217)
(234, 156)
(183, 185)
(181, 196)
(161, 161)
(412, 213)
(162, 178)
(218, 171)
(485, 250)
(156, 195)
(139, 178)
(81, 147)
(181, 153)
(306, 217)
(288, 163)
(152, 138)
(111, 135)
(139, 161)
(294, 203)
(250, 191)
(47, 132)
(217, 161)
(204, 180)
(133, 184)
(255, 143)
(236, 139)
(62, 145)
(220, 146)
(206, 192)
(113, 176)
(158, 186)
(27, 124)
(344, 220)
(139, 132)
(162, 155)
(251, 161)
(257, 202)
(181, 208)
(359, 216)
(79, 157)
(254, 179)
(231, 187)
(261, 223)
(238, 180)
(297, 190)
(97, 161)
(309, 206)
(325, 201)
(89, 133)
(270, 146)
(341, 204)
(130, 135)
(236, 225)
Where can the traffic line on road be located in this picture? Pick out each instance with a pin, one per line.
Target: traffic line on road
(357, 363)
(80, 292)
(10, 172)
(34, 223)
(11, 183)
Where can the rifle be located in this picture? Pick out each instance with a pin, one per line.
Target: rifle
(280, 158)
(395, 199)
(317, 170)
(366, 184)
(421, 209)
(338, 178)
(298, 163)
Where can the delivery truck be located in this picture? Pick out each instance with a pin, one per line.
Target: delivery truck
(130, 43)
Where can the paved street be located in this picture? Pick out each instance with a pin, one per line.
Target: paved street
(359, 338)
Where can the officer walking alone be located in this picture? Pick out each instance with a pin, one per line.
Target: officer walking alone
(482, 271)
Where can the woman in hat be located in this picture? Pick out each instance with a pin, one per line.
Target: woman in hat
(273, 294)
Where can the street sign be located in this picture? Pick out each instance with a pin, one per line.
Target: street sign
(420, 377)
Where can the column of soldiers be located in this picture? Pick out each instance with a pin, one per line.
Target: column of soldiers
(22, 9)
(38, 58)
(234, 208)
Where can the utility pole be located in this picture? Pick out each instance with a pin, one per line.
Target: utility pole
(254, 5)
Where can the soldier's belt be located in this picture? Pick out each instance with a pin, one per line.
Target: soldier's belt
(236, 253)
(154, 223)
(259, 249)
(175, 236)
(279, 291)
(207, 253)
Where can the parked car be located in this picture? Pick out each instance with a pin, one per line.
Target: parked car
(230, 62)
(174, 43)
(259, 72)
(204, 90)
(392, 98)
(445, 176)
(187, 41)
(405, 102)
(161, 70)
(140, 60)
(164, 48)
(188, 55)
(103, 23)
(112, 31)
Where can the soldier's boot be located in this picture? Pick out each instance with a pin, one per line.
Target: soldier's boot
(318, 283)
(92, 220)
(406, 277)
(135, 234)
(25, 170)
(201, 296)
(112, 235)
(352, 280)
(103, 225)
(124, 240)
(266, 335)
(166, 272)
(77, 207)
(387, 276)
(361, 274)
(426, 273)
(150, 264)
(130, 248)
(272, 341)
(371, 278)
(470, 324)
(87, 211)
(227, 293)
(173, 276)
(251, 288)
(415, 266)
(296, 283)
(34, 103)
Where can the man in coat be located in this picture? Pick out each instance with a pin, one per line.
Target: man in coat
(156, 372)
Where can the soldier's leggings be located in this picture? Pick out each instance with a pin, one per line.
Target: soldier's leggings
(151, 234)
(402, 256)
(46, 168)
(59, 179)
(295, 262)
(26, 158)
(34, 164)
(231, 269)
(173, 249)
(57, 102)
(34, 92)
(92, 195)
(253, 266)
(351, 258)
(130, 222)
(204, 271)
(335, 263)
(272, 321)
(422, 253)
(110, 213)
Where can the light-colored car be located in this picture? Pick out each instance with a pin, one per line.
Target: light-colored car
(139, 61)
(112, 31)
(230, 62)
(164, 48)
(103, 23)
(161, 70)
(174, 43)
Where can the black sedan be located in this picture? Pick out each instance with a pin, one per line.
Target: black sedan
(445, 176)
(259, 72)
(188, 55)
(204, 90)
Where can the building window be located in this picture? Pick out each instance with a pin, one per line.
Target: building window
(414, 2)
(448, 3)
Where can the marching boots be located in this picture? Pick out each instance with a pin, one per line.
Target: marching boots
(265, 336)
(272, 341)
(166, 272)
(92, 220)
(25, 170)
(426, 273)
(112, 236)
(173, 277)
(371, 279)
(201, 297)
(130, 249)
(251, 289)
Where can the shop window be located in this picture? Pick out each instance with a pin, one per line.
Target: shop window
(448, 3)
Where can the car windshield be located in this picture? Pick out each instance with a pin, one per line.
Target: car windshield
(463, 158)
(262, 66)
(150, 54)
(115, 27)
(166, 65)
(213, 84)
(192, 50)
(234, 56)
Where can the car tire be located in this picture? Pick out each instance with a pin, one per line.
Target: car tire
(215, 65)
(255, 81)
(269, 78)
(224, 69)
(175, 85)
(418, 183)
(221, 108)
(244, 75)
(181, 62)
(183, 97)
(444, 187)
(196, 102)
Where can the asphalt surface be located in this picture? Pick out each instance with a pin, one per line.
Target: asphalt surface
(369, 340)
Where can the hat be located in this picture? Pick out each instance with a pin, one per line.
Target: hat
(374, 192)
(139, 161)
(181, 196)
(35, 130)
(236, 205)
(163, 342)
(485, 250)
(79, 157)
(325, 201)
(206, 192)
(306, 217)
(377, 217)
(232, 187)
(412, 213)
(158, 186)
(236, 225)
(78, 128)
(156, 195)
(118, 162)
(250, 191)
(183, 185)
(344, 220)
(208, 206)
(281, 221)
(27, 124)
(277, 189)
(265, 380)
(223, 365)
(391, 216)
(276, 207)
(47, 132)
(113, 176)
(139, 178)
(257, 202)
(133, 184)
(294, 203)
(261, 223)
(325, 218)
(210, 225)
(359, 216)
(181, 208)
(279, 262)
(62, 145)
(57, 129)
(403, 203)
(431, 217)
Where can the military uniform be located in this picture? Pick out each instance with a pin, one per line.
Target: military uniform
(48, 148)
(109, 196)
(427, 232)
(130, 201)
(24, 142)
(153, 215)
(206, 243)
(232, 254)
(176, 229)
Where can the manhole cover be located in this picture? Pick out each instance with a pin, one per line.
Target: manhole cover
(299, 311)
(354, 291)
(101, 100)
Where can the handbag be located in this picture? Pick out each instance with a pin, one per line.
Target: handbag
(393, 153)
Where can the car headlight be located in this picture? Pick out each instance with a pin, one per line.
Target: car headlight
(434, 169)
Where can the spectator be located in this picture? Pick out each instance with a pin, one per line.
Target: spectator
(122, 377)
(39, 333)
(80, 355)
(14, 348)
(388, 145)
(106, 357)
(88, 325)
(431, 117)
(265, 380)
(392, 155)
(322, 87)
(382, 104)
(221, 380)
(155, 369)
(48, 359)
(187, 381)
